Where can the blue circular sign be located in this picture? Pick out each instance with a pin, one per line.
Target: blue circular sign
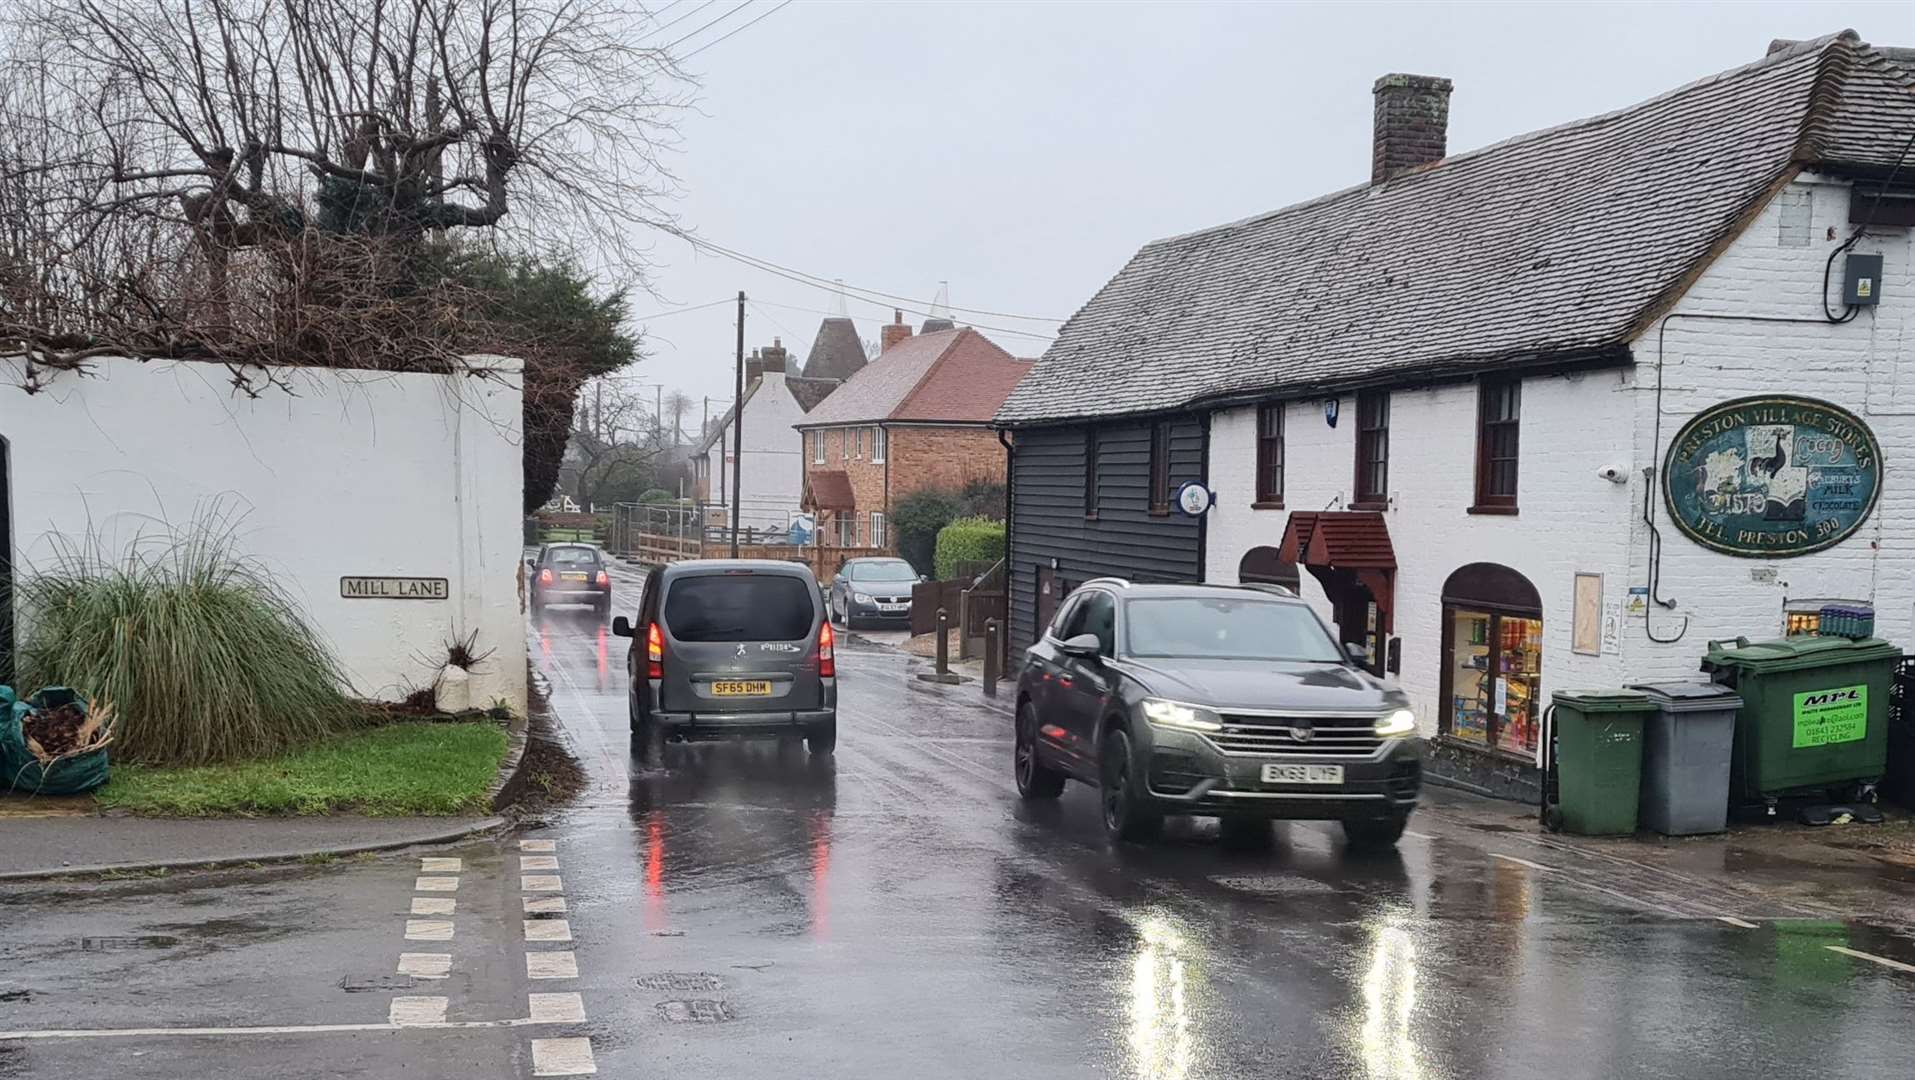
(1194, 499)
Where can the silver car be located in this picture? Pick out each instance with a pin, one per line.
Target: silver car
(731, 649)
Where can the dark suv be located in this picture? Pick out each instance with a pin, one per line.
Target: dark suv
(1232, 701)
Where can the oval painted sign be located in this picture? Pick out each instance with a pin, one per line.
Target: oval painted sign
(1772, 477)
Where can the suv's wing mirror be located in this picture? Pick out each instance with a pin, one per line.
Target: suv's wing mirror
(621, 626)
(1084, 645)
(1358, 655)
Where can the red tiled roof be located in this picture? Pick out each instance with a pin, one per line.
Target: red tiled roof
(829, 489)
(949, 377)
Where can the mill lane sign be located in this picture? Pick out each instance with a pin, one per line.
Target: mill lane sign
(395, 588)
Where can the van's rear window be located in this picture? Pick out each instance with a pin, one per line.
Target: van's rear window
(739, 607)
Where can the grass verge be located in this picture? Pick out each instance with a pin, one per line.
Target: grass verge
(392, 771)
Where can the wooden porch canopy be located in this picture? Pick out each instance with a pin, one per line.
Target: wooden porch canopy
(829, 489)
(1345, 544)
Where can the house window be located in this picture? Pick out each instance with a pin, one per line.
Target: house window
(1372, 449)
(844, 444)
(847, 529)
(1160, 467)
(1499, 408)
(1090, 472)
(878, 445)
(877, 530)
(1270, 455)
(817, 448)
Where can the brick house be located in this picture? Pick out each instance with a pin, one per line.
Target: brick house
(1546, 415)
(917, 417)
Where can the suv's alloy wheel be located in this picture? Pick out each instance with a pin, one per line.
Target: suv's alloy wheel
(1034, 779)
(1124, 818)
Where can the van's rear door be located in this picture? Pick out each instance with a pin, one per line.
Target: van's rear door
(742, 641)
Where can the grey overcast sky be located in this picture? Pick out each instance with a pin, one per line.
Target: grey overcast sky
(1022, 151)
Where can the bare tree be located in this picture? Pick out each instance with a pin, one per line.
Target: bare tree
(617, 450)
(678, 404)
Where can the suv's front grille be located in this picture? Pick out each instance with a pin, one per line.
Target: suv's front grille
(1321, 736)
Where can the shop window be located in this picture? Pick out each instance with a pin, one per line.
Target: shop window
(1492, 660)
(1804, 623)
(1372, 450)
(1499, 407)
(1160, 468)
(1270, 456)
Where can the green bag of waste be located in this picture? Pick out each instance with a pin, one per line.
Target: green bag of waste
(21, 771)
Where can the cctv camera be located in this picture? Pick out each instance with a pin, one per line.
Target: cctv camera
(1615, 474)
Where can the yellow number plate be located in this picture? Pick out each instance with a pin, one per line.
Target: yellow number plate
(741, 689)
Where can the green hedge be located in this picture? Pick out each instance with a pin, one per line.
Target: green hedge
(973, 539)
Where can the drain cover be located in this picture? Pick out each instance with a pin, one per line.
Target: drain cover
(679, 981)
(367, 984)
(1273, 886)
(103, 944)
(696, 1011)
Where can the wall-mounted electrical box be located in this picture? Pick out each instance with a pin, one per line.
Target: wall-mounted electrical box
(1863, 284)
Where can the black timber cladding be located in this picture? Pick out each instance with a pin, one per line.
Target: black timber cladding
(1125, 540)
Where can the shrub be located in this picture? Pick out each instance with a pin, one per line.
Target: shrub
(201, 654)
(983, 499)
(968, 540)
(657, 495)
(916, 519)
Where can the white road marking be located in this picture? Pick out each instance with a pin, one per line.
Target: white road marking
(425, 965)
(550, 965)
(432, 865)
(428, 929)
(1523, 862)
(538, 862)
(433, 905)
(548, 930)
(538, 845)
(413, 1011)
(541, 883)
(1418, 835)
(1871, 957)
(544, 905)
(556, 1008)
(1743, 923)
(436, 884)
(562, 1057)
(284, 1029)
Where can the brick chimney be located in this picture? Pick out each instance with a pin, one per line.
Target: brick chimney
(754, 367)
(774, 355)
(1412, 123)
(895, 331)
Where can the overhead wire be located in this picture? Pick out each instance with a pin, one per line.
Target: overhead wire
(683, 310)
(708, 26)
(729, 33)
(680, 19)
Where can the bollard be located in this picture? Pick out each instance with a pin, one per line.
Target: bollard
(944, 644)
(991, 655)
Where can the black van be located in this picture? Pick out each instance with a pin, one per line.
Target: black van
(730, 649)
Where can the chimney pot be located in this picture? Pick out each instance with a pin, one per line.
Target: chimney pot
(895, 331)
(1412, 123)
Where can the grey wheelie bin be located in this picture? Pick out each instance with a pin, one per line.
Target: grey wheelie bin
(1686, 748)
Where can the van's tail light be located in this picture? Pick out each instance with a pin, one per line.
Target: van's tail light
(654, 652)
(604, 578)
(545, 577)
(827, 659)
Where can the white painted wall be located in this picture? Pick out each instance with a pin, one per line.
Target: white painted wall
(1571, 520)
(356, 473)
(773, 475)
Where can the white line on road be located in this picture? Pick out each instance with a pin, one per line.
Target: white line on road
(538, 845)
(566, 1008)
(538, 862)
(421, 965)
(433, 905)
(413, 1011)
(550, 965)
(541, 883)
(1522, 862)
(283, 1029)
(562, 1057)
(544, 905)
(1872, 958)
(436, 884)
(433, 865)
(428, 929)
(1743, 923)
(1418, 835)
(548, 930)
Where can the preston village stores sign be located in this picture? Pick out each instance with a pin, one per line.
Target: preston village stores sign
(1771, 477)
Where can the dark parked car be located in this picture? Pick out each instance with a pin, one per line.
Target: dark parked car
(1232, 701)
(729, 649)
(872, 590)
(570, 574)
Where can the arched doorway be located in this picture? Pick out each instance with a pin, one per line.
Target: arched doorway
(1492, 660)
(1266, 566)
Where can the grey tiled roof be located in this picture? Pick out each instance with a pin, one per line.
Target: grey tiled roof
(1548, 246)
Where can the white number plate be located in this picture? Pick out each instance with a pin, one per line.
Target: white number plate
(1303, 774)
(893, 609)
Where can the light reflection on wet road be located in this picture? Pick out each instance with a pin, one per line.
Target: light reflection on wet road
(898, 910)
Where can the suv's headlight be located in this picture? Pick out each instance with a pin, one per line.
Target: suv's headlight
(1400, 722)
(1175, 714)
(862, 598)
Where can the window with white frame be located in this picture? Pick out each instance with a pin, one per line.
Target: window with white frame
(847, 530)
(817, 447)
(844, 444)
(877, 445)
(877, 529)
(858, 435)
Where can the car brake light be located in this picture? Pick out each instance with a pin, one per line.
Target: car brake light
(827, 660)
(604, 578)
(545, 577)
(654, 652)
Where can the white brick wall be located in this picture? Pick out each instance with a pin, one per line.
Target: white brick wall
(1573, 521)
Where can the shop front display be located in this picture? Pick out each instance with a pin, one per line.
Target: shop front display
(1492, 660)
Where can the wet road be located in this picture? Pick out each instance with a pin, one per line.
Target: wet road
(747, 911)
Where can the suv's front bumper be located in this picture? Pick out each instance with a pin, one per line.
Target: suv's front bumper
(1187, 775)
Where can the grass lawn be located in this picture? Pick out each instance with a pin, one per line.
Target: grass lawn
(390, 771)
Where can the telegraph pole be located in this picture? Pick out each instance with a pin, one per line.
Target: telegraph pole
(738, 426)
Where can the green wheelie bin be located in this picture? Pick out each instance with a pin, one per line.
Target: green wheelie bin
(1598, 758)
(1814, 717)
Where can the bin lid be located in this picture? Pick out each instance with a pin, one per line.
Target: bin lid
(1789, 654)
(1602, 701)
(1681, 697)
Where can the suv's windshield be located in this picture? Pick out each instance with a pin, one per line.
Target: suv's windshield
(1225, 628)
(738, 607)
(888, 570)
